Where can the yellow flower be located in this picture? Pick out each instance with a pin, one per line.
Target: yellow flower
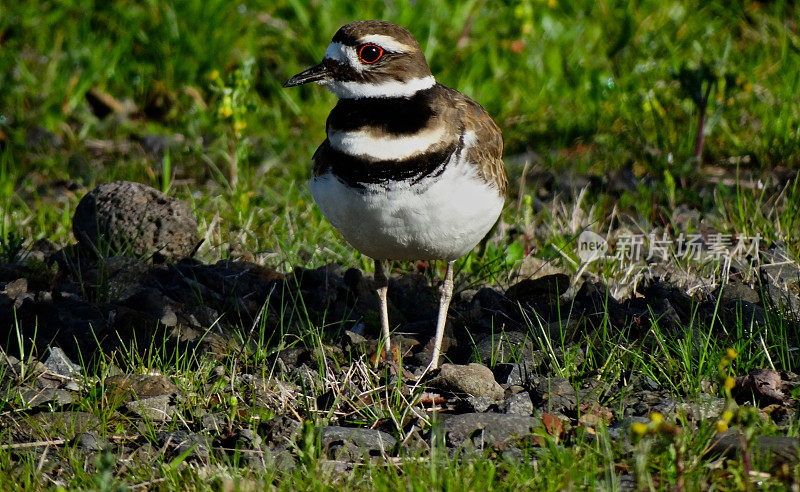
(213, 75)
(656, 418)
(727, 415)
(239, 125)
(729, 383)
(552, 3)
(639, 428)
(721, 426)
(226, 108)
(731, 354)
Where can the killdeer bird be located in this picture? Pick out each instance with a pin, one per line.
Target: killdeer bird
(411, 169)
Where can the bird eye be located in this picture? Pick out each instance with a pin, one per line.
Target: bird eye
(370, 53)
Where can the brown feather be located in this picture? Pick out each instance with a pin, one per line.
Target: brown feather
(487, 153)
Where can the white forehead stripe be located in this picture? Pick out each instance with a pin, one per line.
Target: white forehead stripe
(336, 52)
(392, 88)
(360, 143)
(343, 54)
(386, 42)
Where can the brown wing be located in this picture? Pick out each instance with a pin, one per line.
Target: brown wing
(487, 153)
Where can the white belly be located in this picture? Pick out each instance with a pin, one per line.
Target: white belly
(439, 218)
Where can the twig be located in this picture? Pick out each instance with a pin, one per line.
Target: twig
(34, 444)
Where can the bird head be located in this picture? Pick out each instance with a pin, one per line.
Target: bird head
(370, 59)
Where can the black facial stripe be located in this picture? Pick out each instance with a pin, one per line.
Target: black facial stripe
(345, 72)
(358, 172)
(396, 116)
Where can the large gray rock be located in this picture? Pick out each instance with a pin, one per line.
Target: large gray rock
(779, 449)
(487, 429)
(133, 219)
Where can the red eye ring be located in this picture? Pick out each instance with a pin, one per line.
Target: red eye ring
(373, 54)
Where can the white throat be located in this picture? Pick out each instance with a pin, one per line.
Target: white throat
(392, 88)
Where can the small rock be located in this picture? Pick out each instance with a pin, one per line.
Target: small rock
(592, 414)
(282, 431)
(764, 384)
(595, 300)
(513, 373)
(38, 397)
(17, 291)
(121, 276)
(133, 219)
(91, 442)
(355, 443)
(620, 431)
(248, 445)
(168, 318)
(744, 313)
(706, 407)
(472, 379)
(57, 362)
(518, 404)
(737, 291)
(778, 266)
(781, 299)
(486, 429)
(132, 386)
(247, 439)
(489, 299)
(479, 404)
(215, 422)
(540, 290)
(155, 409)
(16, 288)
(280, 459)
(640, 380)
(306, 377)
(181, 442)
(508, 346)
(354, 343)
(555, 395)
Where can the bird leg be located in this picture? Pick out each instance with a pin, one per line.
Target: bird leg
(444, 304)
(382, 284)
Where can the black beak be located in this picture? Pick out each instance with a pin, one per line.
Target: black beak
(313, 74)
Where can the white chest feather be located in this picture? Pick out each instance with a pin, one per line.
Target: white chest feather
(439, 218)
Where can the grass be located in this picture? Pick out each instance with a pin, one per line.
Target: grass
(586, 86)
(577, 458)
(601, 90)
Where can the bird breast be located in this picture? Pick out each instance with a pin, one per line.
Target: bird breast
(439, 217)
